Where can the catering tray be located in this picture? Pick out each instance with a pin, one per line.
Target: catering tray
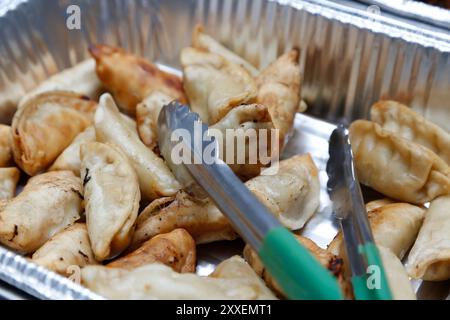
(418, 10)
(349, 59)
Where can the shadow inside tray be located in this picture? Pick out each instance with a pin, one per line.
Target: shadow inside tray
(431, 290)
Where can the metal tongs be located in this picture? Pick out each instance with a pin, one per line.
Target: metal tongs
(298, 273)
(349, 209)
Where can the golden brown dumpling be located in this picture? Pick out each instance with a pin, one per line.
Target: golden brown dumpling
(429, 258)
(292, 193)
(147, 113)
(8, 182)
(5, 146)
(374, 204)
(237, 268)
(155, 178)
(396, 275)
(201, 219)
(214, 85)
(157, 281)
(130, 78)
(394, 226)
(45, 125)
(175, 249)
(279, 90)
(250, 156)
(80, 79)
(49, 203)
(396, 167)
(201, 40)
(69, 159)
(403, 121)
(111, 193)
(69, 247)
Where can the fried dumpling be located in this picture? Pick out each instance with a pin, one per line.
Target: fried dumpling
(5, 146)
(69, 159)
(330, 261)
(69, 247)
(202, 219)
(237, 268)
(80, 79)
(147, 113)
(396, 275)
(111, 193)
(130, 78)
(155, 178)
(279, 90)
(201, 40)
(45, 125)
(214, 85)
(398, 118)
(8, 182)
(252, 154)
(157, 281)
(292, 193)
(48, 203)
(374, 204)
(394, 226)
(396, 167)
(429, 258)
(175, 249)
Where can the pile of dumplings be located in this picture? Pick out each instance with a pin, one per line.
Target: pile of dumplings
(407, 158)
(99, 195)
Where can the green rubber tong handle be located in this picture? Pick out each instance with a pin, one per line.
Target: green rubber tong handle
(361, 288)
(296, 270)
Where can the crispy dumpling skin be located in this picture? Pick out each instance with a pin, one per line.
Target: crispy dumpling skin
(396, 167)
(157, 281)
(155, 178)
(204, 222)
(69, 247)
(147, 113)
(330, 261)
(80, 79)
(130, 78)
(394, 226)
(201, 40)
(111, 193)
(69, 159)
(6, 156)
(374, 204)
(279, 90)
(214, 85)
(398, 118)
(429, 258)
(253, 117)
(396, 275)
(8, 182)
(291, 194)
(45, 125)
(237, 268)
(48, 203)
(175, 249)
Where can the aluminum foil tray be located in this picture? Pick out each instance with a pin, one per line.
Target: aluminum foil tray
(418, 10)
(349, 59)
